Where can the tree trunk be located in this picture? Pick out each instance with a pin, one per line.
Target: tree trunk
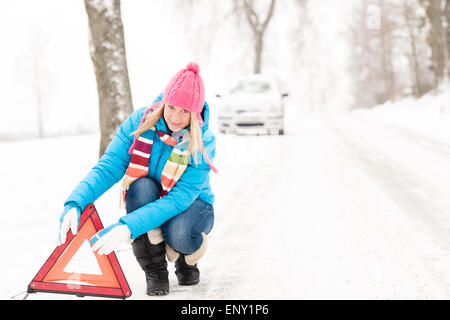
(386, 53)
(258, 53)
(107, 48)
(447, 15)
(408, 11)
(258, 29)
(436, 40)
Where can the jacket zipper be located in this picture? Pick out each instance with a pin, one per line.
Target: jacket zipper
(160, 155)
(157, 164)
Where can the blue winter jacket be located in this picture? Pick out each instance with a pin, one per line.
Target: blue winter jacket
(193, 184)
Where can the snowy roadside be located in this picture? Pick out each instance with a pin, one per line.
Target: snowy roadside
(307, 215)
(428, 116)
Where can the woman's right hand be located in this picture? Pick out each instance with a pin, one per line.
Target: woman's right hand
(69, 220)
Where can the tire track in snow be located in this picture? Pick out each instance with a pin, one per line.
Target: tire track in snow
(217, 277)
(427, 142)
(238, 230)
(411, 194)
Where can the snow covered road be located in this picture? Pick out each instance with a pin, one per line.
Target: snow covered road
(409, 177)
(341, 207)
(361, 211)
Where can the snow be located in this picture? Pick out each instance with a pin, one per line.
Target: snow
(346, 205)
(101, 5)
(429, 115)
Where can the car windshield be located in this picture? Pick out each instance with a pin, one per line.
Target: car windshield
(249, 86)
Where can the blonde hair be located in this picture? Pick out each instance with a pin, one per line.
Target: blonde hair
(193, 137)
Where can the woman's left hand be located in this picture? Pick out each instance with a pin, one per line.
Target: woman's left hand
(110, 238)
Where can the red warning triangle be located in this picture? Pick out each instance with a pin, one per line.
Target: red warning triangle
(52, 277)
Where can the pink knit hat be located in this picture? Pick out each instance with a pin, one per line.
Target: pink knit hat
(185, 90)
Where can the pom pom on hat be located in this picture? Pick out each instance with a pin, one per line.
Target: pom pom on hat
(194, 67)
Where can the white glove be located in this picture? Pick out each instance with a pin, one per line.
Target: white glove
(109, 239)
(69, 220)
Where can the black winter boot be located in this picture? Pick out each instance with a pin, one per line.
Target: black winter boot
(152, 259)
(187, 275)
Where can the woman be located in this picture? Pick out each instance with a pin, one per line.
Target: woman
(165, 186)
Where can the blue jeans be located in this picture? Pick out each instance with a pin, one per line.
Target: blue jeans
(182, 232)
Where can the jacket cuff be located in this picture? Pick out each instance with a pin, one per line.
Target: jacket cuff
(131, 221)
(72, 204)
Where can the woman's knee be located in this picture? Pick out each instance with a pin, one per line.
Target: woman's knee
(176, 233)
(142, 191)
(182, 241)
(183, 232)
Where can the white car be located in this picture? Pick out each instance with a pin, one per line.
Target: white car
(254, 104)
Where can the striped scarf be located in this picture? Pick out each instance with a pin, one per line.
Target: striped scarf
(140, 157)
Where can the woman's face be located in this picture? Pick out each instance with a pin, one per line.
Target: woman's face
(176, 118)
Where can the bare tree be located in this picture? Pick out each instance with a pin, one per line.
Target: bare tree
(437, 41)
(200, 21)
(412, 28)
(372, 39)
(447, 15)
(385, 34)
(387, 44)
(39, 80)
(365, 67)
(259, 27)
(107, 48)
(309, 56)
